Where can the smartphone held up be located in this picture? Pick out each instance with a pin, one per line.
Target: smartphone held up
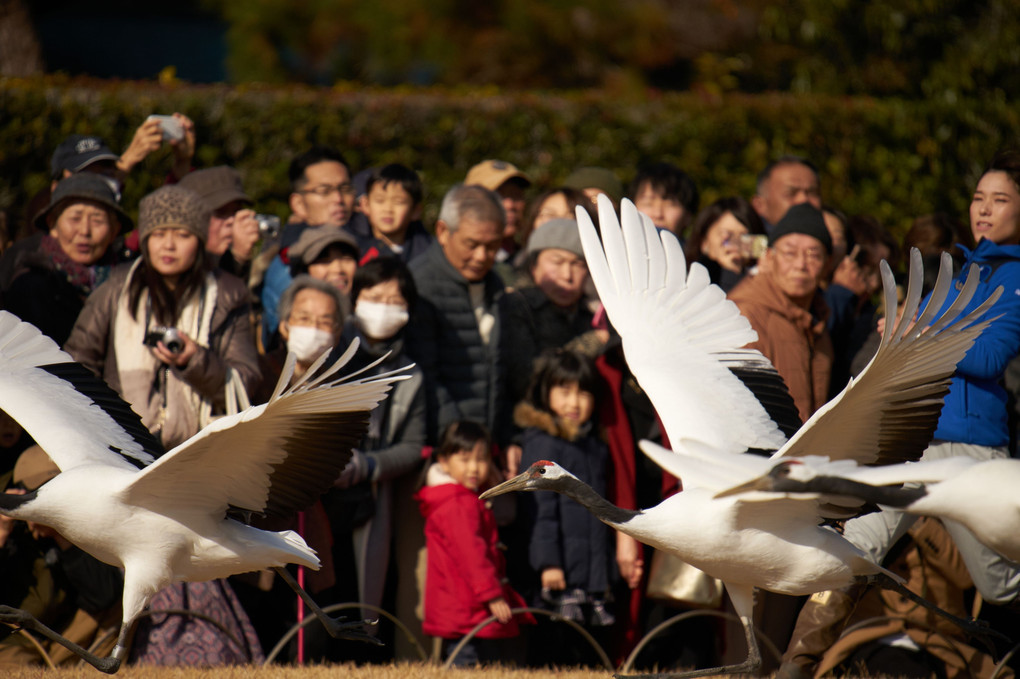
(173, 129)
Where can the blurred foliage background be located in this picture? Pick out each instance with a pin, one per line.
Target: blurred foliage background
(900, 103)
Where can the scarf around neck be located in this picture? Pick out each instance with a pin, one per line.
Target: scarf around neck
(85, 278)
(168, 405)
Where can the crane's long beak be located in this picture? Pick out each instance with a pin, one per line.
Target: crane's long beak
(761, 483)
(518, 482)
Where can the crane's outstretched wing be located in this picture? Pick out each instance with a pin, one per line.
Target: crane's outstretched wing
(740, 474)
(890, 411)
(72, 414)
(272, 459)
(681, 336)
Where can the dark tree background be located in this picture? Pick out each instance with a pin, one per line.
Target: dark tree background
(943, 49)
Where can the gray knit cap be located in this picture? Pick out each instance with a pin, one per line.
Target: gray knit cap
(173, 206)
(557, 233)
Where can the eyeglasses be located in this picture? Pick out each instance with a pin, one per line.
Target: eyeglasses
(325, 190)
(812, 255)
(320, 322)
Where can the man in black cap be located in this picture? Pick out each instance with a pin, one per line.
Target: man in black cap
(89, 153)
(786, 308)
(82, 153)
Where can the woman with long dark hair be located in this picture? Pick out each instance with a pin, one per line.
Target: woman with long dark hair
(169, 333)
(722, 240)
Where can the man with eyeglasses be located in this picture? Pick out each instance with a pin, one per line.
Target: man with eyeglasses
(321, 195)
(786, 307)
(321, 192)
(788, 311)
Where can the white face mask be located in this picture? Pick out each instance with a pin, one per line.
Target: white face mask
(380, 321)
(308, 342)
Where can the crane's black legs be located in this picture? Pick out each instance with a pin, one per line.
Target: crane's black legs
(23, 620)
(976, 628)
(357, 630)
(749, 666)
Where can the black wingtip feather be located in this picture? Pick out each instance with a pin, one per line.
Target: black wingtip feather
(87, 384)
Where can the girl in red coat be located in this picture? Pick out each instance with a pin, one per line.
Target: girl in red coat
(466, 578)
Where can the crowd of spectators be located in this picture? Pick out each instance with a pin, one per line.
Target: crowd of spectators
(513, 358)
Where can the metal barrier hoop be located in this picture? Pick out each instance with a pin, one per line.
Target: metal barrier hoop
(337, 607)
(766, 642)
(555, 617)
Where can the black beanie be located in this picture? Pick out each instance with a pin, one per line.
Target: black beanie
(802, 218)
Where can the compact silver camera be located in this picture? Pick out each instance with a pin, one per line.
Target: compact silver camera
(170, 337)
(269, 226)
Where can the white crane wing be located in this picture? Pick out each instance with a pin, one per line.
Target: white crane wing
(890, 411)
(273, 459)
(72, 414)
(727, 471)
(681, 336)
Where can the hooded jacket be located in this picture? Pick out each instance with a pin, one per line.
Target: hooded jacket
(793, 338)
(563, 533)
(466, 569)
(975, 408)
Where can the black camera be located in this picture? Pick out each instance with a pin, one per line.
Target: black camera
(269, 226)
(170, 337)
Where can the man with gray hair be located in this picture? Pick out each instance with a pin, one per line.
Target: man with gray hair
(457, 331)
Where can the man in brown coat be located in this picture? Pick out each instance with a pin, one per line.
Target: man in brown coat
(786, 308)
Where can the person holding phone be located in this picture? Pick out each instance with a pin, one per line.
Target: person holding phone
(176, 130)
(727, 238)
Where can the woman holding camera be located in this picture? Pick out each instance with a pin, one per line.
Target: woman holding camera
(722, 240)
(167, 332)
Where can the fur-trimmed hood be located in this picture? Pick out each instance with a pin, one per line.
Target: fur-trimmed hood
(526, 415)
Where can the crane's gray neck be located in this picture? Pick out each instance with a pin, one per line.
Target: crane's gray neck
(890, 496)
(601, 508)
(10, 503)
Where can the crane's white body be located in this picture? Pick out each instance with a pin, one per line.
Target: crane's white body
(781, 551)
(683, 339)
(983, 496)
(986, 499)
(193, 545)
(165, 520)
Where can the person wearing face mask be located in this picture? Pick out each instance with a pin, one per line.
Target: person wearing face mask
(378, 484)
(311, 318)
(327, 253)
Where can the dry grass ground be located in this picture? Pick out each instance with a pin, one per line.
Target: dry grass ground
(399, 671)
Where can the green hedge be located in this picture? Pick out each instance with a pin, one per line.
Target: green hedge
(892, 159)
